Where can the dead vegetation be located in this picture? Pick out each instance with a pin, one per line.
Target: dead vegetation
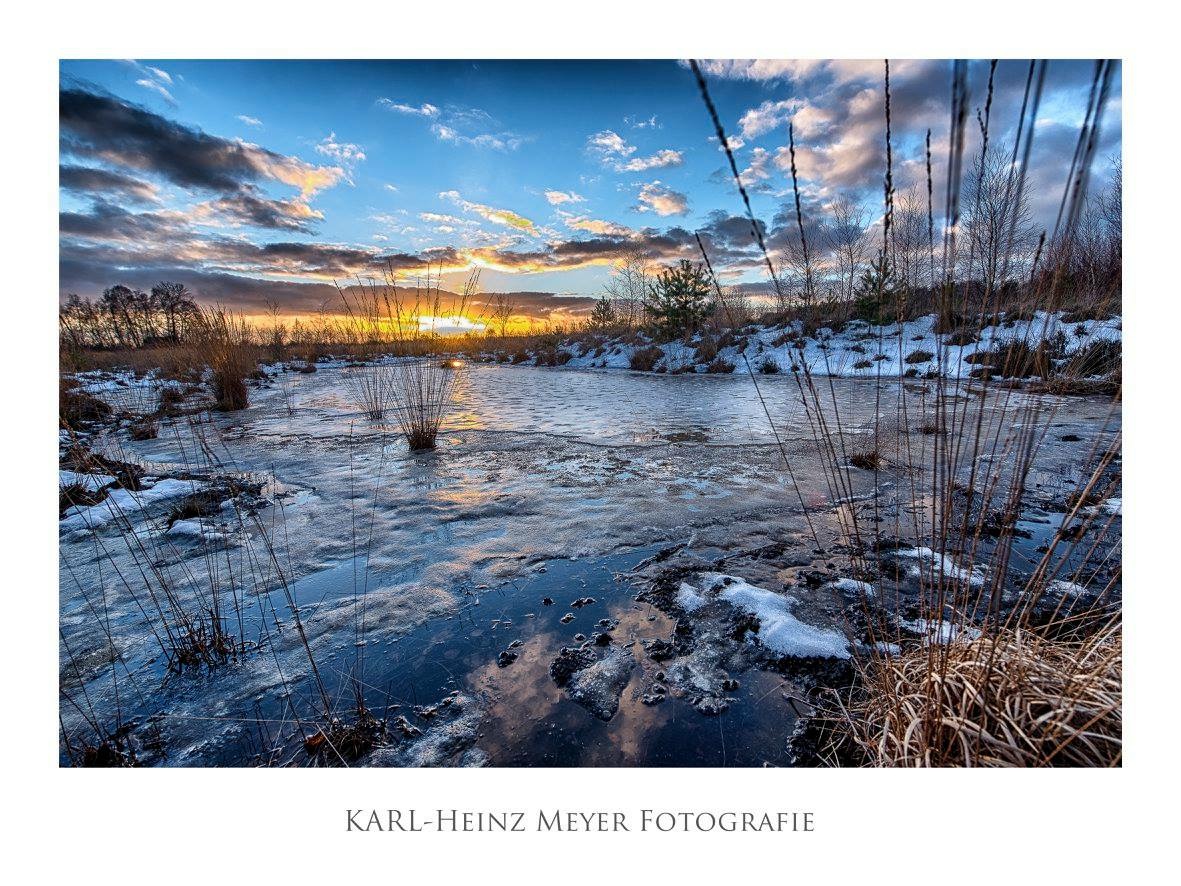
(1018, 697)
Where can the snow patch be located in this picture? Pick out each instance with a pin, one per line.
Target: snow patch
(943, 565)
(779, 630)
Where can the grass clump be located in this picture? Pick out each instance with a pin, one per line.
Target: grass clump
(224, 341)
(422, 394)
(1019, 697)
(869, 460)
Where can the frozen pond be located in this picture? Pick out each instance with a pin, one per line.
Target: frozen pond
(412, 573)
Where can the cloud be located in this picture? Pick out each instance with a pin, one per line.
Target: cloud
(613, 150)
(249, 121)
(460, 125)
(766, 117)
(758, 69)
(440, 218)
(497, 216)
(155, 80)
(261, 212)
(91, 181)
(608, 144)
(105, 128)
(389, 187)
(756, 175)
(659, 160)
(500, 142)
(641, 123)
(599, 227)
(557, 198)
(157, 88)
(346, 154)
(423, 110)
(662, 200)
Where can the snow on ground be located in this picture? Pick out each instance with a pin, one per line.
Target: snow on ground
(1060, 587)
(941, 632)
(123, 503)
(941, 564)
(859, 349)
(90, 482)
(853, 586)
(779, 630)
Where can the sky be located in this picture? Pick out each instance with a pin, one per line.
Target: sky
(260, 181)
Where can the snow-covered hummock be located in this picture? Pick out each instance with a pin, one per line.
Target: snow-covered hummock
(688, 598)
(942, 564)
(779, 630)
(124, 503)
(829, 353)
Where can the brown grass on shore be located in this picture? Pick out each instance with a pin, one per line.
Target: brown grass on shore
(1019, 697)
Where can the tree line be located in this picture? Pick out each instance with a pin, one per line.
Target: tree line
(129, 318)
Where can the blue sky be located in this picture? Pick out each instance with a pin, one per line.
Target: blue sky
(273, 178)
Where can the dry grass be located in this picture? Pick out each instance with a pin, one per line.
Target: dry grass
(422, 393)
(372, 388)
(223, 340)
(1019, 697)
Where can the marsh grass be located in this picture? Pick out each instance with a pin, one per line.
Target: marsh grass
(371, 387)
(1018, 697)
(422, 393)
(1008, 686)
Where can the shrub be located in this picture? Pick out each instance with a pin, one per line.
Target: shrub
(423, 394)
(371, 389)
(769, 366)
(962, 336)
(645, 359)
(144, 428)
(720, 365)
(863, 364)
(1097, 358)
(919, 356)
(78, 409)
(706, 350)
(223, 339)
(1019, 697)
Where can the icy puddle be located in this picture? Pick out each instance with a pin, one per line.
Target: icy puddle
(420, 579)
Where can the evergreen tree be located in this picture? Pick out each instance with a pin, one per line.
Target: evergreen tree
(679, 298)
(603, 316)
(877, 292)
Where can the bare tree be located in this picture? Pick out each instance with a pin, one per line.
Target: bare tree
(846, 236)
(500, 311)
(998, 222)
(628, 287)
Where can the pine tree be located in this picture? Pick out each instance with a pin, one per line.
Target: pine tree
(603, 316)
(876, 292)
(679, 299)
